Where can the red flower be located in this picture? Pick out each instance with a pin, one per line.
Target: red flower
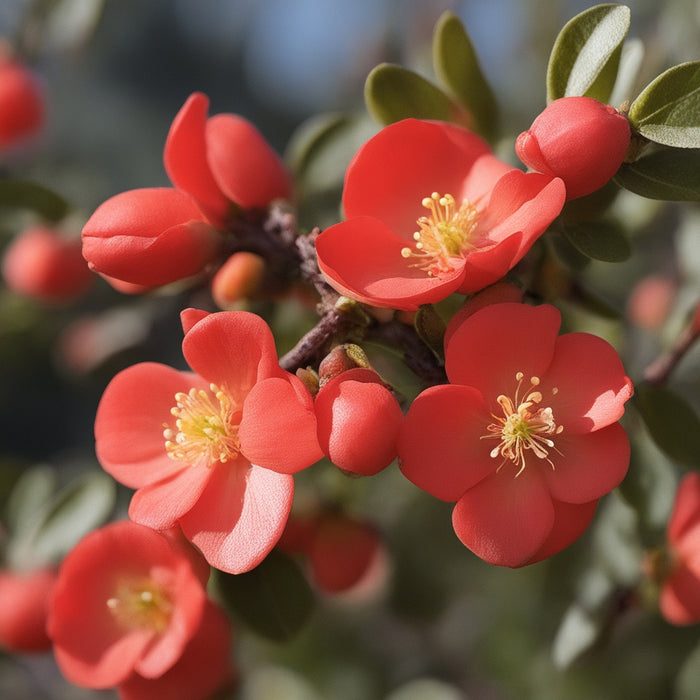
(149, 237)
(358, 422)
(680, 591)
(126, 600)
(578, 139)
(22, 108)
(222, 160)
(25, 597)
(212, 450)
(209, 649)
(43, 265)
(430, 211)
(525, 437)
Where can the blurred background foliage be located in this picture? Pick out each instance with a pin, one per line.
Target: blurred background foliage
(440, 623)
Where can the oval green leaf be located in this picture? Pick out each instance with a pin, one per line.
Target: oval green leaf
(672, 423)
(29, 495)
(586, 54)
(599, 240)
(457, 68)
(670, 174)
(274, 599)
(393, 93)
(431, 329)
(668, 109)
(28, 195)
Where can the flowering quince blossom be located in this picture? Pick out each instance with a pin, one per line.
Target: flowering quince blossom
(525, 437)
(127, 600)
(680, 591)
(222, 160)
(214, 449)
(578, 139)
(431, 211)
(22, 103)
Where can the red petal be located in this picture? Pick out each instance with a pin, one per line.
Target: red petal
(440, 446)
(185, 157)
(278, 428)
(686, 507)
(589, 466)
(188, 317)
(484, 266)
(244, 165)
(232, 349)
(405, 162)
(362, 259)
(505, 520)
(680, 597)
(130, 420)
(492, 345)
(240, 515)
(570, 521)
(591, 382)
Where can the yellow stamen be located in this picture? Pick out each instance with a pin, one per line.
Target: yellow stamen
(141, 604)
(443, 235)
(524, 426)
(204, 432)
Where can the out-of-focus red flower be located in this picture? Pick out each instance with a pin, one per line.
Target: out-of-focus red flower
(680, 591)
(525, 437)
(42, 264)
(22, 104)
(204, 667)
(25, 597)
(578, 139)
(214, 449)
(358, 422)
(222, 161)
(650, 301)
(149, 237)
(430, 211)
(127, 600)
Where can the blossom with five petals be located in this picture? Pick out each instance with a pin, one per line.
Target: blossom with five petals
(214, 449)
(431, 211)
(525, 437)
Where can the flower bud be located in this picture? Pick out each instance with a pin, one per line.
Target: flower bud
(239, 278)
(22, 109)
(149, 237)
(43, 265)
(578, 139)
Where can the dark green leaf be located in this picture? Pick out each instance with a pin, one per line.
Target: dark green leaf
(668, 109)
(430, 328)
(28, 195)
(688, 678)
(671, 421)
(586, 54)
(670, 174)
(600, 240)
(457, 67)
(393, 93)
(274, 599)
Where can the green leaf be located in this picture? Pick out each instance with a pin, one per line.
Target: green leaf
(672, 423)
(393, 93)
(600, 240)
(457, 67)
(29, 495)
(431, 329)
(586, 54)
(274, 599)
(668, 109)
(79, 508)
(687, 685)
(669, 174)
(28, 195)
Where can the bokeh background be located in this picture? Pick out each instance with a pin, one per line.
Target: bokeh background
(445, 625)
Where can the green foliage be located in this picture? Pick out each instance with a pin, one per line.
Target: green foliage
(599, 240)
(430, 328)
(274, 599)
(668, 109)
(586, 54)
(28, 195)
(457, 67)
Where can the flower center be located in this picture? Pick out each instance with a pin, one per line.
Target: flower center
(443, 235)
(141, 604)
(524, 426)
(206, 427)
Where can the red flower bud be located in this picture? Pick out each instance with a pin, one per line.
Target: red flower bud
(149, 237)
(578, 139)
(239, 278)
(21, 102)
(43, 265)
(25, 598)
